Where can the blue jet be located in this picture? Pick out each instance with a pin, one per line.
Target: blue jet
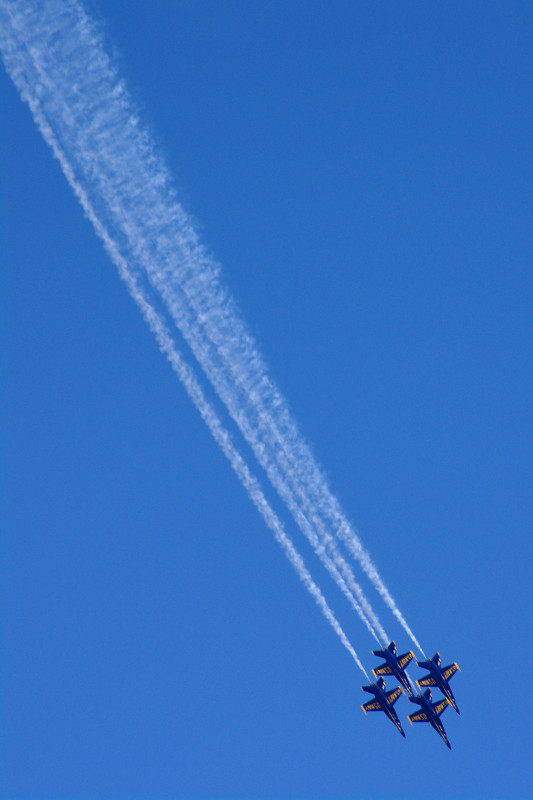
(430, 712)
(384, 701)
(394, 665)
(439, 676)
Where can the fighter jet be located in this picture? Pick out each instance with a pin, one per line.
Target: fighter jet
(394, 665)
(439, 676)
(430, 712)
(384, 701)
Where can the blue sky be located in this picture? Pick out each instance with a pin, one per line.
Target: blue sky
(363, 173)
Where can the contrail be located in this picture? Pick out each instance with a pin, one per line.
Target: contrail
(97, 131)
(95, 120)
(186, 376)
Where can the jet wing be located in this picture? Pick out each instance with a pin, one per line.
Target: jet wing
(420, 716)
(394, 695)
(405, 659)
(440, 706)
(372, 705)
(447, 672)
(384, 670)
(427, 681)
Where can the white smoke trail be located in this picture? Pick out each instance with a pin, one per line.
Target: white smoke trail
(99, 132)
(104, 135)
(193, 388)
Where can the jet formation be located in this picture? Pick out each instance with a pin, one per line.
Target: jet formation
(437, 676)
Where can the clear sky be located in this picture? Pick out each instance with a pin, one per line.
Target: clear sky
(363, 173)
